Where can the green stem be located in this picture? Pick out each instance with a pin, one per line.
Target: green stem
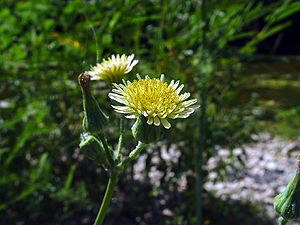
(107, 198)
(282, 221)
(202, 128)
(107, 150)
(113, 179)
(131, 156)
(120, 138)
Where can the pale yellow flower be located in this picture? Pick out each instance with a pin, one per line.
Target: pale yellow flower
(113, 69)
(153, 99)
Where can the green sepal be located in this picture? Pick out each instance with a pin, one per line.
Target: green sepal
(287, 204)
(94, 120)
(282, 221)
(93, 149)
(144, 132)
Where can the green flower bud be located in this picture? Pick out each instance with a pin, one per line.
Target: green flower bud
(92, 148)
(94, 120)
(287, 204)
(144, 132)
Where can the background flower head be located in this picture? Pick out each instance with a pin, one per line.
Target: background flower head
(153, 99)
(113, 69)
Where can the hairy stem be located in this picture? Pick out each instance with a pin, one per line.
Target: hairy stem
(107, 198)
(107, 150)
(120, 138)
(282, 221)
(131, 156)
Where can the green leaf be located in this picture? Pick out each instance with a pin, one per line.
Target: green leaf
(37, 171)
(242, 35)
(291, 9)
(250, 46)
(70, 177)
(273, 30)
(114, 20)
(29, 128)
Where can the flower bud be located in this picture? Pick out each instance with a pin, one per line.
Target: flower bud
(144, 132)
(94, 120)
(92, 148)
(287, 204)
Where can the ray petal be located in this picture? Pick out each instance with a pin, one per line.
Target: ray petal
(165, 123)
(150, 120)
(156, 121)
(185, 96)
(176, 85)
(118, 98)
(132, 116)
(123, 109)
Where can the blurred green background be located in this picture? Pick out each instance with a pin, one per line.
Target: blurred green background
(231, 56)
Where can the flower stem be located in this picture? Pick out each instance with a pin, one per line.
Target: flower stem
(131, 156)
(120, 138)
(113, 179)
(107, 150)
(107, 198)
(282, 221)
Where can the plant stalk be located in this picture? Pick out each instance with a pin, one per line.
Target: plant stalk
(282, 221)
(107, 198)
(107, 150)
(120, 139)
(131, 156)
(202, 139)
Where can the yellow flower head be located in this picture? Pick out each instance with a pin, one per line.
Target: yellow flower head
(153, 99)
(113, 69)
